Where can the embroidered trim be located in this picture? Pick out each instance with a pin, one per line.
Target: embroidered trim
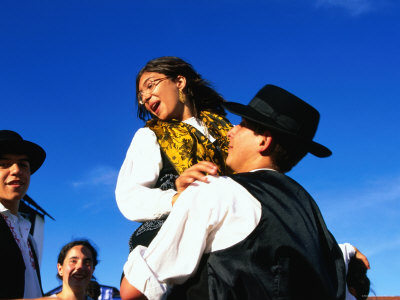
(149, 225)
(168, 182)
(18, 241)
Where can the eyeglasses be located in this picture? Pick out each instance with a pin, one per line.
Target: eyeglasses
(149, 87)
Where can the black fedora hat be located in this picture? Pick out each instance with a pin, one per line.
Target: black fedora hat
(283, 112)
(12, 143)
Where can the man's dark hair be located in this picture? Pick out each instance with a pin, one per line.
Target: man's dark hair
(197, 90)
(285, 152)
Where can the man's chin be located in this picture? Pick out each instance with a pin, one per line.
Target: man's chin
(14, 197)
(229, 167)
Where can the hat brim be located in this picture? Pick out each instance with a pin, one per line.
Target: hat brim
(36, 154)
(253, 115)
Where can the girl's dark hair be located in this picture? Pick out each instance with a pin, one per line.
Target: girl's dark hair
(197, 90)
(357, 278)
(70, 245)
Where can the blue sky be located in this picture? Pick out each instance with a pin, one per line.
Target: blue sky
(67, 71)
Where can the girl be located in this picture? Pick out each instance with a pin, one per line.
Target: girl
(185, 124)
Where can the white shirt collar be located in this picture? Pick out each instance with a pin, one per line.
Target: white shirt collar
(23, 224)
(4, 210)
(268, 169)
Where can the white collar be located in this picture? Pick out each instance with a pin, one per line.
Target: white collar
(15, 218)
(260, 169)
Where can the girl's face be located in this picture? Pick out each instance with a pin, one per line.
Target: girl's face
(77, 268)
(160, 95)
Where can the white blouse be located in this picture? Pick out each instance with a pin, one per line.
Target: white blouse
(348, 252)
(137, 199)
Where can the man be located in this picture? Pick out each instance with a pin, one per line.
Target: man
(253, 235)
(19, 272)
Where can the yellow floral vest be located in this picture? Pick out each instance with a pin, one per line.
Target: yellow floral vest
(185, 146)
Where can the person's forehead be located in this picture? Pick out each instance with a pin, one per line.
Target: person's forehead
(79, 251)
(13, 156)
(146, 76)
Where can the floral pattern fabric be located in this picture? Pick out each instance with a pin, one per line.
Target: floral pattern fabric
(185, 146)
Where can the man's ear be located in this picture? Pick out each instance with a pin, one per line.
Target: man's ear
(265, 144)
(180, 82)
(59, 269)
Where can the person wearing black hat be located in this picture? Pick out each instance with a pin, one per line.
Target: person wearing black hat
(256, 234)
(19, 272)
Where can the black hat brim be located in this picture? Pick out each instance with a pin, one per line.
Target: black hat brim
(253, 115)
(36, 154)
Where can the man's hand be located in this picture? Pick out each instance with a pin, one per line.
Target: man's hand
(197, 172)
(362, 257)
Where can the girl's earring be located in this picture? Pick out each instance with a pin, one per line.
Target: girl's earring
(182, 97)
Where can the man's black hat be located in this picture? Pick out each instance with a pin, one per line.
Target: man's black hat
(284, 113)
(12, 143)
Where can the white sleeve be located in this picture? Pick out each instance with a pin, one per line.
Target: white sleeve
(137, 199)
(202, 220)
(348, 252)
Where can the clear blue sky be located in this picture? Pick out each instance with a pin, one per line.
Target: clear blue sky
(67, 71)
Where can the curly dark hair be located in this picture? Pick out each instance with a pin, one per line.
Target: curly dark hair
(70, 245)
(197, 90)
